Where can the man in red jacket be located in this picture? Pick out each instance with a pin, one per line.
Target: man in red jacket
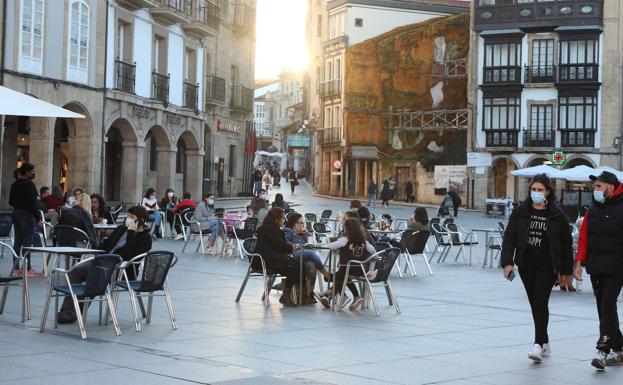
(600, 249)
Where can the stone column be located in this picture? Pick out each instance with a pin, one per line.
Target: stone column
(9, 161)
(166, 169)
(132, 173)
(42, 149)
(194, 172)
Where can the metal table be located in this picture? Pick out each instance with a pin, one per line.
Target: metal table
(487, 232)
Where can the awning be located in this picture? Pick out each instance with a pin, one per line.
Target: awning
(19, 104)
(541, 169)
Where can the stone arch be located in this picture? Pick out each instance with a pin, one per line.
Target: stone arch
(501, 182)
(159, 160)
(535, 160)
(578, 160)
(124, 163)
(189, 164)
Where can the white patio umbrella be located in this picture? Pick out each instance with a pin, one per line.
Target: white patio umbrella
(19, 104)
(540, 169)
(577, 174)
(616, 172)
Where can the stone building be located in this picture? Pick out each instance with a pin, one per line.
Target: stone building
(544, 76)
(333, 27)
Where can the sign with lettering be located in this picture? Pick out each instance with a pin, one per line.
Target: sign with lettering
(140, 112)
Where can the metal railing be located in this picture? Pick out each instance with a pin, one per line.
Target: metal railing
(160, 87)
(180, 6)
(407, 120)
(329, 88)
(578, 72)
(125, 74)
(577, 138)
(501, 138)
(329, 135)
(191, 95)
(504, 74)
(244, 19)
(209, 15)
(540, 74)
(215, 90)
(242, 98)
(539, 138)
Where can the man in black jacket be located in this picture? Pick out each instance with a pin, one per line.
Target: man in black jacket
(600, 249)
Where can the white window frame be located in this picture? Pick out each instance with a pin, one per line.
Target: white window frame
(30, 63)
(77, 73)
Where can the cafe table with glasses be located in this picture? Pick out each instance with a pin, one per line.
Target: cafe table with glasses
(63, 251)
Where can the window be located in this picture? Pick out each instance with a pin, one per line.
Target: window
(358, 22)
(337, 25)
(190, 65)
(319, 26)
(78, 44)
(232, 160)
(336, 116)
(502, 62)
(501, 120)
(541, 123)
(542, 61)
(123, 50)
(159, 55)
(338, 69)
(31, 36)
(579, 60)
(577, 120)
(327, 117)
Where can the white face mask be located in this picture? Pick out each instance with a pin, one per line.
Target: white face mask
(170, 194)
(152, 197)
(599, 196)
(264, 196)
(210, 202)
(128, 222)
(537, 197)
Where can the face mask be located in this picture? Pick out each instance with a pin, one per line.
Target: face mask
(599, 196)
(170, 195)
(211, 202)
(537, 197)
(152, 197)
(128, 222)
(264, 196)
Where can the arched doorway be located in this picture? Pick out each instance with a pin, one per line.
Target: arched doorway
(189, 164)
(501, 183)
(124, 163)
(159, 159)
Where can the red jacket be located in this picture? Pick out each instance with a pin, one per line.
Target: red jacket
(583, 239)
(183, 204)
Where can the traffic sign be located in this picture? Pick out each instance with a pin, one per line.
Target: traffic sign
(337, 164)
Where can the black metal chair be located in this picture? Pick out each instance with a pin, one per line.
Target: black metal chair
(115, 211)
(382, 264)
(182, 219)
(460, 237)
(97, 284)
(310, 217)
(6, 230)
(11, 280)
(193, 230)
(326, 214)
(155, 267)
(414, 243)
(442, 244)
(257, 268)
(320, 231)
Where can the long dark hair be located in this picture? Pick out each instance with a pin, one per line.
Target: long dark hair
(279, 202)
(102, 205)
(292, 219)
(354, 231)
(547, 183)
(149, 192)
(421, 215)
(273, 216)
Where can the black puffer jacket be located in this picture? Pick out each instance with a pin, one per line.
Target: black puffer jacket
(558, 237)
(273, 247)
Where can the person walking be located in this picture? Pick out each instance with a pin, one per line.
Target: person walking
(409, 192)
(599, 250)
(23, 199)
(256, 179)
(456, 201)
(372, 191)
(538, 239)
(266, 180)
(386, 193)
(293, 180)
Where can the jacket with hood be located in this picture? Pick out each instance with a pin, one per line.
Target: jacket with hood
(558, 234)
(600, 246)
(273, 247)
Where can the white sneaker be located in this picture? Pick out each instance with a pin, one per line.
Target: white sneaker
(547, 350)
(535, 353)
(178, 237)
(599, 362)
(614, 358)
(343, 302)
(356, 303)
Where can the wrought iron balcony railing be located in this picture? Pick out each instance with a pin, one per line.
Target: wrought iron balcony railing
(215, 90)
(577, 138)
(539, 138)
(501, 138)
(540, 74)
(125, 76)
(160, 87)
(191, 95)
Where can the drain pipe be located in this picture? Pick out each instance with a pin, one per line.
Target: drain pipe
(103, 149)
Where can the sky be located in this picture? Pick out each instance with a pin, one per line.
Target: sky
(280, 37)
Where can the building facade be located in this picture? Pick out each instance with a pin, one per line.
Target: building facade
(544, 76)
(161, 83)
(331, 31)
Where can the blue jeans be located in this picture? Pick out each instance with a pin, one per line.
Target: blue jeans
(310, 258)
(24, 231)
(372, 198)
(156, 217)
(212, 226)
(257, 186)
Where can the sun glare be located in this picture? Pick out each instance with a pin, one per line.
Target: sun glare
(280, 37)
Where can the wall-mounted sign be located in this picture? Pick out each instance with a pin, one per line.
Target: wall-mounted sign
(478, 159)
(559, 158)
(337, 164)
(299, 141)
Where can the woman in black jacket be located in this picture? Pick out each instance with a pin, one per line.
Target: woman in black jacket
(538, 239)
(276, 251)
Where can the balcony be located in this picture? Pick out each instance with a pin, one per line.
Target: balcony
(171, 12)
(160, 87)
(501, 138)
(244, 19)
(577, 138)
(502, 75)
(133, 5)
(125, 76)
(539, 138)
(241, 99)
(574, 73)
(204, 21)
(513, 14)
(191, 94)
(329, 136)
(540, 74)
(215, 90)
(330, 88)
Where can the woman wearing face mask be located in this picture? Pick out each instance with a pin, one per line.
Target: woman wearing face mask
(168, 203)
(538, 239)
(205, 214)
(150, 202)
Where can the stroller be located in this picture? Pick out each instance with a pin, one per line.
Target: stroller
(446, 208)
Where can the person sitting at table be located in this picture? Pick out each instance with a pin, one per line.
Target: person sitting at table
(205, 214)
(260, 209)
(419, 221)
(185, 204)
(352, 246)
(364, 214)
(168, 203)
(52, 202)
(276, 252)
(100, 212)
(296, 233)
(279, 202)
(77, 213)
(128, 241)
(150, 202)
(386, 222)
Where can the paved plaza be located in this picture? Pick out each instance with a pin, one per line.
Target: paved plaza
(463, 325)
